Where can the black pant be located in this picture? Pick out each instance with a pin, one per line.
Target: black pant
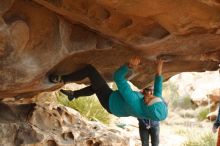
(153, 132)
(98, 85)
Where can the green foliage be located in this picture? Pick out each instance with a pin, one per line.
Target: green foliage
(207, 139)
(185, 103)
(89, 107)
(177, 102)
(202, 113)
(196, 136)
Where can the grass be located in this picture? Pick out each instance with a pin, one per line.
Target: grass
(206, 139)
(181, 131)
(89, 107)
(185, 103)
(196, 136)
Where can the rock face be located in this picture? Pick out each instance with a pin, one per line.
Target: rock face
(40, 37)
(53, 125)
(43, 36)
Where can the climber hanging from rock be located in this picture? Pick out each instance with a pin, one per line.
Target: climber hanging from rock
(124, 101)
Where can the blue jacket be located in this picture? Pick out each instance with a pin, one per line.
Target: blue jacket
(217, 122)
(126, 102)
(148, 123)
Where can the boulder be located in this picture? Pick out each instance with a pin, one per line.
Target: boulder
(41, 37)
(49, 124)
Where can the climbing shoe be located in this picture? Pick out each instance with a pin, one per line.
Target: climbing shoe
(68, 93)
(55, 78)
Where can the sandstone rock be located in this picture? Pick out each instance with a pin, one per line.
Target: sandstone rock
(47, 124)
(40, 37)
(5, 5)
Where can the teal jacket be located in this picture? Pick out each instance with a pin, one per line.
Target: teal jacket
(126, 102)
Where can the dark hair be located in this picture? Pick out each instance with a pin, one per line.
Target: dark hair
(149, 88)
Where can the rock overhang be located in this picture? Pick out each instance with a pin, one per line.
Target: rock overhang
(40, 37)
